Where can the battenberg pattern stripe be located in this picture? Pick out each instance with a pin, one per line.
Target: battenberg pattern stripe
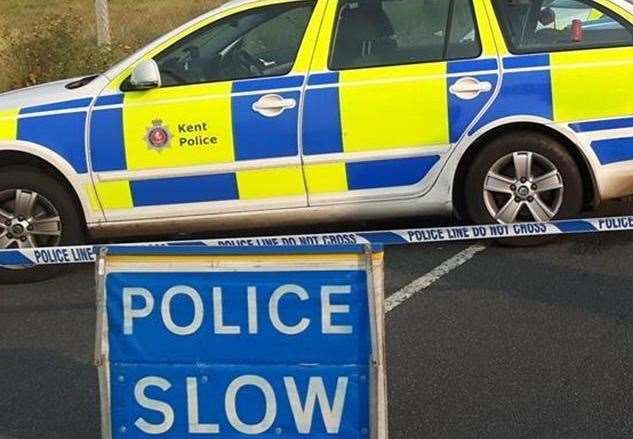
(56, 106)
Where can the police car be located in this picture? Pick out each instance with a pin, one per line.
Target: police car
(269, 112)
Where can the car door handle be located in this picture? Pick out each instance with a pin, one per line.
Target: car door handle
(470, 88)
(273, 105)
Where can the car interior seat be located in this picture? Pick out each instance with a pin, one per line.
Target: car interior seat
(364, 35)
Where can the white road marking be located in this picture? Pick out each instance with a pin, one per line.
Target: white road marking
(419, 285)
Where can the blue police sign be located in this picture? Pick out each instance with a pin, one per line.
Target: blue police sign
(235, 343)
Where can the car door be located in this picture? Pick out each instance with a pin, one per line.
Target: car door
(393, 87)
(221, 132)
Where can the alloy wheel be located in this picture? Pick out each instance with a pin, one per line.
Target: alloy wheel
(28, 220)
(523, 186)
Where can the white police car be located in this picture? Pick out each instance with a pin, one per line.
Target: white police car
(267, 112)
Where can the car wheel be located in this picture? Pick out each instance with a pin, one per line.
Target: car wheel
(35, 211)
(523, 177)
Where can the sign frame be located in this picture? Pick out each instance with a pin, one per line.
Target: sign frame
(162, 259)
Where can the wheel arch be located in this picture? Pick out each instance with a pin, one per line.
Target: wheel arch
(56, 167)
(590, 187)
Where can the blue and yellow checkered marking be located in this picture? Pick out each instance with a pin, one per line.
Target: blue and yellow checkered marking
(616, 149)
(326, 127)
(241, 185)
(62, 133)
(57, 106)
(389, 173)
(462, 113)
(330, 178)
(256, 137)
(335, 121)
(600, 125)
(243, 135)
(106, 139)
(526, 61)
(611, 151)
(184, 190)
(592, 84)
(582, 88)
(351, 112)
(526, 93)
(322, 131)
(565, 87)
(470, 66)
(58, 126)
(266, 84)
(323, 78)
(9, 124)
(115, 99)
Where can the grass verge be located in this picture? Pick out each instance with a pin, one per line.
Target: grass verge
(44, 41)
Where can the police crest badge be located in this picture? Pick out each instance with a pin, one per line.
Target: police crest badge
(158, 136)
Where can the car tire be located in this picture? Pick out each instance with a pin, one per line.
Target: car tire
(51, 201)
(501, 166)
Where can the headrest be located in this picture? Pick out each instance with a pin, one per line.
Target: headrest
(365, 21)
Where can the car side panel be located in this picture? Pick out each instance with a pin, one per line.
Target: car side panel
(600, 112)
(584, 93)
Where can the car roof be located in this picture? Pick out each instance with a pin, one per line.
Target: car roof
(624, 3)
(235, 3)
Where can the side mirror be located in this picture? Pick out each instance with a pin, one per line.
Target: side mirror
(145, 76)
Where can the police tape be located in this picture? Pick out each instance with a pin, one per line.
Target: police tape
(30, 257)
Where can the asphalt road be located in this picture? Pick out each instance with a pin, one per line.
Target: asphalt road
(515, 342)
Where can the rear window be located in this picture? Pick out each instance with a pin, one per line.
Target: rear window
(554, 25)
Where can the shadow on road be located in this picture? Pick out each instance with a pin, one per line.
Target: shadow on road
(582, 275)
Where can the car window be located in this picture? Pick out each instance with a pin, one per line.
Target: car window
(550, 25)
(373, 33)
(257, 43)
(463, 39)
